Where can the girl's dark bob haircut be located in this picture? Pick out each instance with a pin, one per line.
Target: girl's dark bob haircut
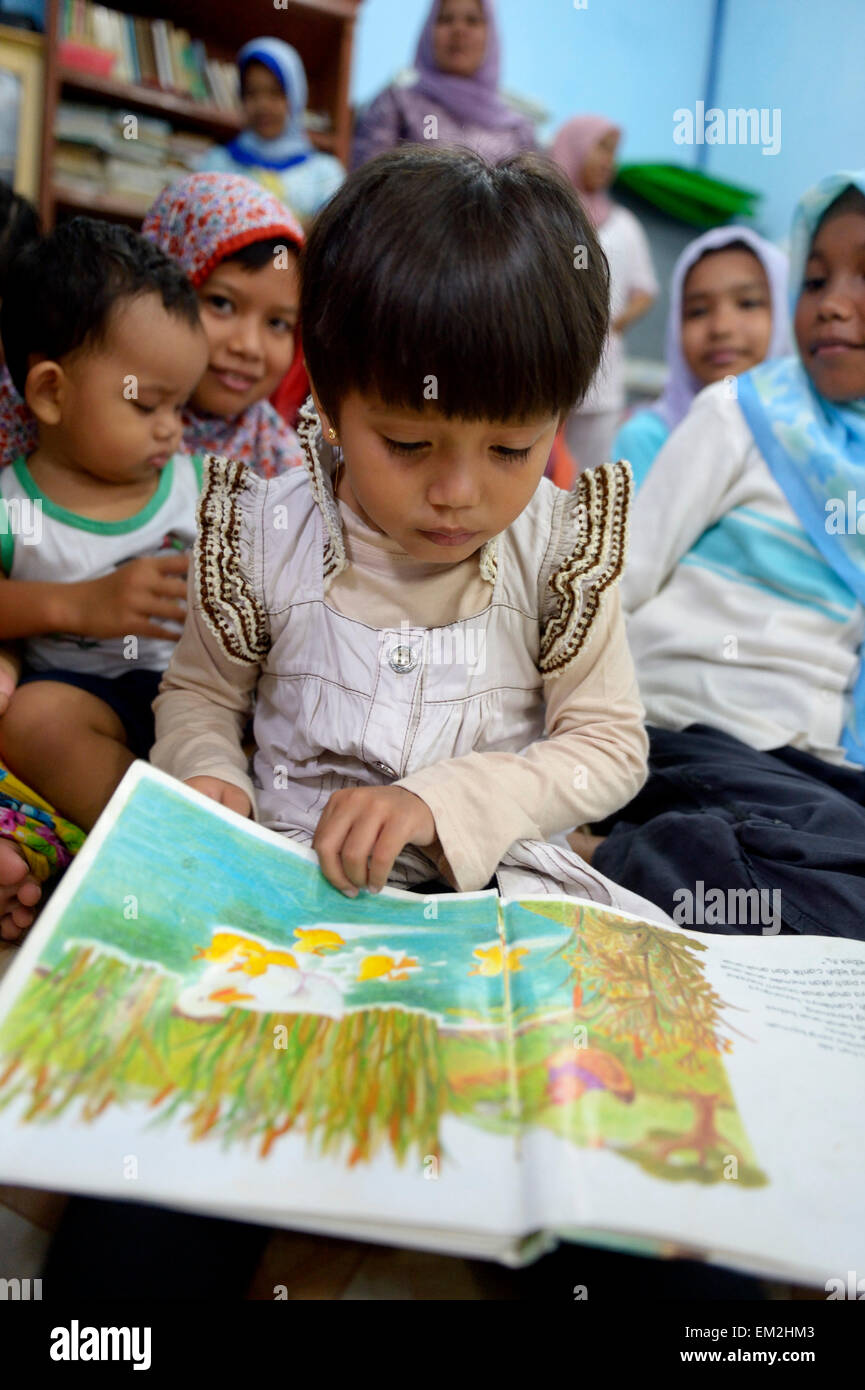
(435, 278)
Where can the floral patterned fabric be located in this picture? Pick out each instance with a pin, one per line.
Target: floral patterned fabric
(47, 841)
(18, 433)
(205, 217)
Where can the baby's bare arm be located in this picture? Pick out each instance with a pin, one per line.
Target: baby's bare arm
(121, 603)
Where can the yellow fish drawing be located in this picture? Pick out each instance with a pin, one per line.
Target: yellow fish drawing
(492, 959)
(224, 944)
(316, 940)
(257, 963)
(385, 967)
(252, 957)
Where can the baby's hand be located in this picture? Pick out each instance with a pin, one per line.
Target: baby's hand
(129, 599)
(226, 793)
(10, 670)
(362, 830)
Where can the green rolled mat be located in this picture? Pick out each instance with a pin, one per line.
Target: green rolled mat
(688, 194)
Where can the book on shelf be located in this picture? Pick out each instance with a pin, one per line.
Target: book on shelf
(132, 47)
(185, 147)
(85, 57)
(147, 52)
(129, 176)
(94, 154)
(81, 163)
(199, 1020)
(112, 131)
(164, 72)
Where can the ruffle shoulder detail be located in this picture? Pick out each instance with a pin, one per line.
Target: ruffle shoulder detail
(227, 579)
(588, 559)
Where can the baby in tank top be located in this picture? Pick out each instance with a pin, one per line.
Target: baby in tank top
(104, 341)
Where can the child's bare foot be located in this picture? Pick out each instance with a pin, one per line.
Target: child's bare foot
(584, 844)
(19, 892)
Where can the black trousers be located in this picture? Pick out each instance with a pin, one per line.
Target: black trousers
(718, 813)
(130, 1251)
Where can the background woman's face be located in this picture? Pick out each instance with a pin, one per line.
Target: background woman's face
(599, 164)
(459, 37)
(264, 101)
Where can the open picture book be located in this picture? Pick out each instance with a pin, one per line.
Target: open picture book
(199, 1020)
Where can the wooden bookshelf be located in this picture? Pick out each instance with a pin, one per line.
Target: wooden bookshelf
(322, 31)
(195, 115)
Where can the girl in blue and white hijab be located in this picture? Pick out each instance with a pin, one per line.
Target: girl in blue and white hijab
(274, 147)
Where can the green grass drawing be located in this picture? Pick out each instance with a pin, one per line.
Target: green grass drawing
(95, 1032)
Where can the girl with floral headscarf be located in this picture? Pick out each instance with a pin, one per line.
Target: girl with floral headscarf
(453, 95)
(239, 246)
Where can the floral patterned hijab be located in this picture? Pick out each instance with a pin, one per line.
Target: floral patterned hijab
(201, 220)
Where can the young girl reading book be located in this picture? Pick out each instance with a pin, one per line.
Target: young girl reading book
(239, 246)
(728, 312)
(431, 629)
(746, 594)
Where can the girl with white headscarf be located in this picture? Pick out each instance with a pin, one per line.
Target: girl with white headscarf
(274, 147)
(728, 312)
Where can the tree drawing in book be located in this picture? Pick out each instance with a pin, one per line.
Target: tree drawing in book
(650, 1029)
(204, 977)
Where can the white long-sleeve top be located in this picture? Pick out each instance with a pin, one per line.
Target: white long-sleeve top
(498, 751)
(734, 618)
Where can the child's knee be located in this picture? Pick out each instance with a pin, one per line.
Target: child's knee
(45, 715)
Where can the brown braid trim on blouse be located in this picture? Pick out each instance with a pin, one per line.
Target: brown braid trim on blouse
(224, 594)
(598, 509)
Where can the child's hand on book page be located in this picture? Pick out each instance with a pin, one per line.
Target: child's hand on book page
(362, 830)
(226, 793)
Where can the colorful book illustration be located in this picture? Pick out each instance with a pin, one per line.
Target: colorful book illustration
(199, 1020)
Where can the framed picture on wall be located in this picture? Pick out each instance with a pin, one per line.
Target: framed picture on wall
(21, 78)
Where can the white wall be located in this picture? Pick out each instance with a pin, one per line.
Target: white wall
(808, 60)
(639, 60)
(615, 56)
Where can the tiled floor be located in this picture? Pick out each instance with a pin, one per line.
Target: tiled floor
(22, 1245)
(319, 1268)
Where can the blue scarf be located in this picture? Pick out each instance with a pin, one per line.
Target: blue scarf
(815, 448)
(292, 146)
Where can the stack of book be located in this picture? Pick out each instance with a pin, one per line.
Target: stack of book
(147, 52)
(100, 150)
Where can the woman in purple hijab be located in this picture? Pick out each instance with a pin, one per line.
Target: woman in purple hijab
(454, 95)
(728, 311)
